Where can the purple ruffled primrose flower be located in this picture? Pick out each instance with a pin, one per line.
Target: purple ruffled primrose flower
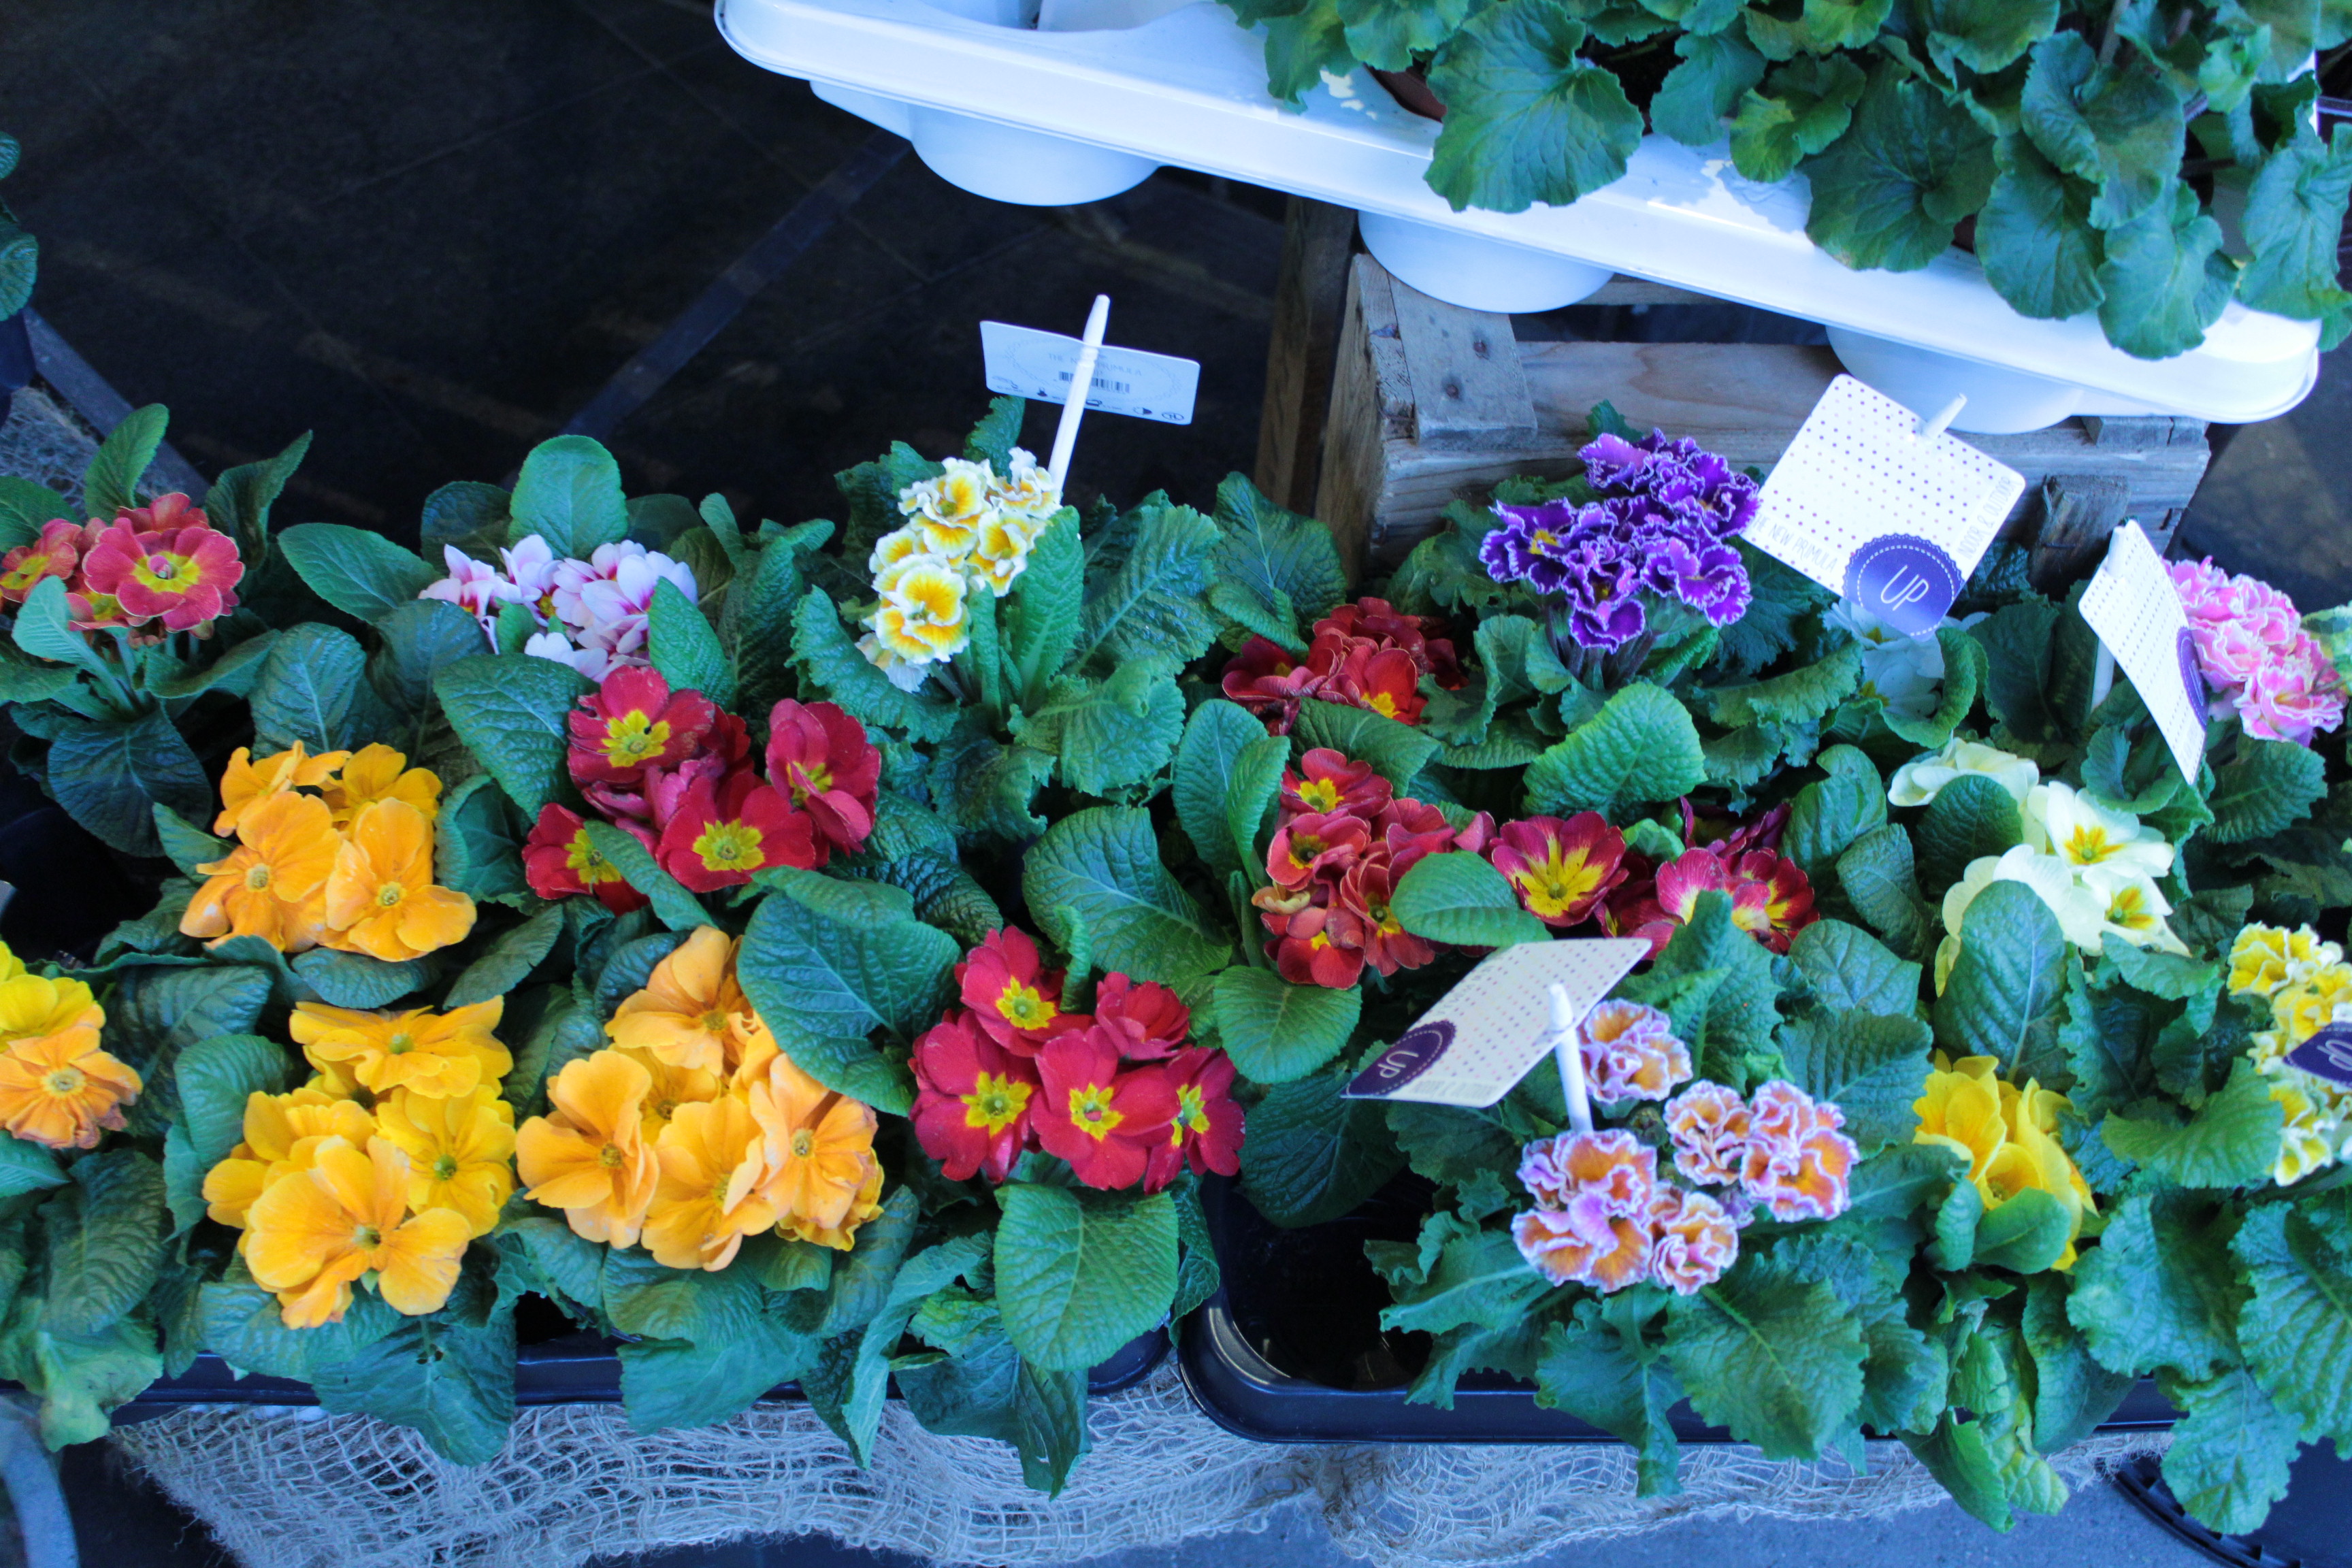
(1663, 524)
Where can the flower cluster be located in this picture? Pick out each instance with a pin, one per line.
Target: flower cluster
(1604, 1219)
(2094, 867)
(153, 570)
(675, 774)
(57, 1088)
(966, 531)
(1342, 841)
(2251, 648)
(334, 850)
(693, 1130)
(1365, 654)
(1779, 1150)
(1119, 1093)
(2308, 986)
(591, 614)
(396, 1153)
(1662, 523)
(1772, 898)
(2009, 1136)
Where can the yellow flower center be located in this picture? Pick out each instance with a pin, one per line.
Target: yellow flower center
(445, 1168)
(1192, 1111)
(1321, 796)
(388, 895)
(1025, 1007)
(2088, 845)
(730, 847)
(591, 868)
(64, 1081)
(804, 1144)
(994, 1103)
(633, 736)
(1551, 886)
(610, 1157)
(164, 571)
(257, 878)
(400, 1045)
(1091, 1113)
(367, 1239)
(714, 1022)
(1384, 705)
(2130, 910)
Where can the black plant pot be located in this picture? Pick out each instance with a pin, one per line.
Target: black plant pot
(1290, 1349)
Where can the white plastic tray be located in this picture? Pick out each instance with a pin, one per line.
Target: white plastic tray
(1063, 117)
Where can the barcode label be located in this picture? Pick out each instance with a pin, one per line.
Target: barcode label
(1026, 363)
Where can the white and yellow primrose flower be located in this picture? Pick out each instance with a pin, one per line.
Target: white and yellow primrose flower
(922, 617)
(2265, 960)
(2310, 1140)
(952, 509)
(1028, 492)
(1001, 555)
(895, 546)
(2085, 833)
(2081, 915)
(2133, 909)
(1917, 782)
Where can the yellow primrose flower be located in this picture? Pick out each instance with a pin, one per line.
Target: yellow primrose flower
(950, 509)
(460, 1151)
(2265, 958)
(689, 1012)
(2320, 998)
(712, 1158)
(440, 1054)
(11, 965)
(866, 1205)
(282, 1134)
(2082, 832)
(1027, 492)
(381, 898)
(589, 1156)
(1917, 782)
(378, 773)
(1961, 1110)
(2078, 909)
(922, 617)
(819, 1147)
(894, 547)
(273, 884)
(1000, 557)
(250, 781)
(309, 1235)
(668, 1087)
(32, 1007)
(2307, 1142)
(2008, 1135)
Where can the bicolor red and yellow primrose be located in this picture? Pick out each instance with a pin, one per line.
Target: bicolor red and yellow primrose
(152, 570)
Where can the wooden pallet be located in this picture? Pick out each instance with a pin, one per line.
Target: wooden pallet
(1430, 403)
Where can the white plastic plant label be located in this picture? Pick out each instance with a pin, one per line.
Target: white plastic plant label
(1026, 363)
(2131, 602)
(1486, 1034)
(1866, 504)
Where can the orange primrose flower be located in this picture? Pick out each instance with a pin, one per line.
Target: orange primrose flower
(692, 1010)
(282, 1134)
(378, 773)
(61, 1092)
(381, 899)
(712, 1159)
(460, 1151)
(440, 1054)
(311, 1234)
(591, 1158)
(819, 1146)
(251, 779)
(269, 886)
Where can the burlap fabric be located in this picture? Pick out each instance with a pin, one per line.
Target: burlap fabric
(44, 441)
(286, 1488)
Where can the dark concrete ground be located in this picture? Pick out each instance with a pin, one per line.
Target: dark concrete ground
(429, 230)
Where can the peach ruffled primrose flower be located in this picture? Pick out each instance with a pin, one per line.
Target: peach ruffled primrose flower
(691, 1012)
(311, 1234)
(270, 885)
(440, 1054)
(591, 1157)
(381, 899)
(61, 1092)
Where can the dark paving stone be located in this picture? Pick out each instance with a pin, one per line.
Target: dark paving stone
(2278, 500)
(121, 1517)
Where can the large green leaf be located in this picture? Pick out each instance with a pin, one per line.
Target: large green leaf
(509, 960)
(685, 648)
(1043, 611)
(1601, 1367)
(474, 848)
(1275, 1031)
(239, 500)
(1458, 898)
(1985, 35)
(213, 1079)
(1711, 73)
(1287, 564)
(512, 713)
(1805, 105)
(1641, 747)
(1887, 193)
(1312, 1155)
(1875, 1067)
(672, 904)
(830, 660)
(454, 1384)
(569, 494)
(1832, 812)
(43, 629)
(363, 574)
(2297, 1328)
(2035, 238)
(2264, 789)
(355, 980)
(106, 1235)
(1456, 1276)
(1150, 609)
(1214, 742)
(2116, 125)
(312, 689)
(1848, 968)
(1109, 733)
(1397, 752)
(2230, 1450)
(2231, 1140)
(2166, 278)
(110, 777)
(2160, 1290)
(2294, 219)
(1971, 817)
(2073, 1393)
(416, 641)
(1528, 119)
(1079, 1273)
(1776, 1359)
(110, 483)
(1103, 866)
(2007, 990)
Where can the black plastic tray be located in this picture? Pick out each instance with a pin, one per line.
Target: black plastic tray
(1233, 1350)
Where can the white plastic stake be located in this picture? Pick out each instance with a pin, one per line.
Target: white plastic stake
(2102, 676)
(1082, 381)
(1570, 1057)
(1937, 423)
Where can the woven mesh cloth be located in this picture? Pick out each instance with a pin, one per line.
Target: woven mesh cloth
(44, 441)
(299, 1489)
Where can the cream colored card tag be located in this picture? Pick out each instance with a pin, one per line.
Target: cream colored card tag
(2131, 602)
(1868, 504)
(1486, 1034)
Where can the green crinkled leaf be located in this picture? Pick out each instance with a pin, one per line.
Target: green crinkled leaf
(1877, 877)
(1110, 733)
(1733, 1026)
(1805, 105)
(1874, 1066)
(509, 960)
(238, 503)
(1821, 27)
(1970, 817)
(2230, 1450)
(2073, 1393)
(1776, 1359)
(26, 1167)
(1832, 812)
(569, 494)
(512, 713)
(673, 905)
(1985, 35)
(685, 647)
(1214, 742)
(1150, 607)
(1459, 899)
(44, 629)
(453, 1385)
(1397, 752)
(1043, 611)
(2294, 218)
(363, 574)
(106, 1230)
(110, 777)
(1103, 865)
(156, 1010)
(1641, 747)
(830, 660)
(1276, 556)
(1849, 968)
(2008, 988)
(987, 789)
(1705, 85)
(1477, 1280)
(1601, 1367)
(1887, 193)
(312, 689)
(2035, 236)
(1529, 120)
(2160, 1288)
(1275, 1031)
(214, 1078)
(355, 980)
(2264, 789)
(474, 850)
(1080, 1273)
(1312, 1155)
(78, 1377)
(110, 483)
(1804, 693)
(2118, 125)
(417, 640)
(2297, 1327)
(2166, 278)
(1964, 674)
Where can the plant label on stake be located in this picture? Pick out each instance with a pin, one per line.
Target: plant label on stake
(2133, 605)
(1044, 367)
(1499, 1022)
(1881, 506)
(2327, 1054)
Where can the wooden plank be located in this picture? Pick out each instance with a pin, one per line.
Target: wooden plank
(1311, 302)
(2078, 512)
(1469, 391)
(1356, 435)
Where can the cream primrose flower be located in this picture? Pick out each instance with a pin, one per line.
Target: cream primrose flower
(1916, 781)
(922, 619)
(2310, 1139)
(2133, 908)
(1001, 555)
(894, 547)
(952, 509)
(2084, 834)
(1904, 672)
(1028, 492)
(2082, 914)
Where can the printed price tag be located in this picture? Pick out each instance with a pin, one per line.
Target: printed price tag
(2133, 605)
(2327, 1054)
(1026, 363)
(1864, 505)
(1485, 1035)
